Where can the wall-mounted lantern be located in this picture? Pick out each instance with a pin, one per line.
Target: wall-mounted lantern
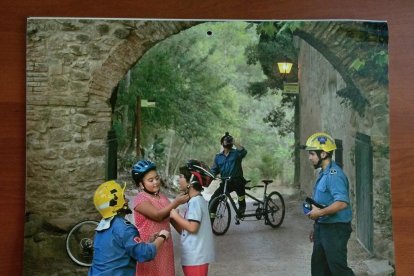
(284, 69)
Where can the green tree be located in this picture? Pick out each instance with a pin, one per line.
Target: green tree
(200, 85)
(275, 45)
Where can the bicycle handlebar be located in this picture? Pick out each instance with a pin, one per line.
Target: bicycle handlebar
(223, 178)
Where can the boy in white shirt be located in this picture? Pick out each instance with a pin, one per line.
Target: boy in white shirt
(194, 227)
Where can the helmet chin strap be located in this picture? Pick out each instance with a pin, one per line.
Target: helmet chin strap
(192, 182)
(151, 193)
(319, 164)
(187, 190)
(125, 210)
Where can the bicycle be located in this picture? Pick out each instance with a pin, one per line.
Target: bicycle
(79, 242)
(271, 208)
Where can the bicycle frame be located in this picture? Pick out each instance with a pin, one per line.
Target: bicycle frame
(271, 208)
(233, 204)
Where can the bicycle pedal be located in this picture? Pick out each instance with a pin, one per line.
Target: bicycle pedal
(255, 204)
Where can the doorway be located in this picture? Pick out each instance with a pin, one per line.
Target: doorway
(364, 191)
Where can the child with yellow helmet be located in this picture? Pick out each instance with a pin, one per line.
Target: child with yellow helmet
(117, 244)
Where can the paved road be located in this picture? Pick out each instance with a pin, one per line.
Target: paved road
(253, 248)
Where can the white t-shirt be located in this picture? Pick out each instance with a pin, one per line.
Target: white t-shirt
(197, 248)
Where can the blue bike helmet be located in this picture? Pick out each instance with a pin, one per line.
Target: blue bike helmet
(141, 168)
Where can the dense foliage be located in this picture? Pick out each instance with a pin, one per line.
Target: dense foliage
(200, 81)
(275, 45)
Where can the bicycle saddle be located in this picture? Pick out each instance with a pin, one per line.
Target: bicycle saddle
(267, 182)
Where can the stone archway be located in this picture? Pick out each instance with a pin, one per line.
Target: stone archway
(341, 43)
(73, 65)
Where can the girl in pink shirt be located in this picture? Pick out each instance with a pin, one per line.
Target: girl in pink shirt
(151, 214)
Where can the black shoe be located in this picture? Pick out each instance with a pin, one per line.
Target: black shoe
(241, 211)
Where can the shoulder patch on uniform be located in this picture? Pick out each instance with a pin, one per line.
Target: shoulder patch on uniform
(332, 171)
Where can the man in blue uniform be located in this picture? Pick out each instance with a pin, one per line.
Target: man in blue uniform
(228, 163)
(117, 246)
(332, 227)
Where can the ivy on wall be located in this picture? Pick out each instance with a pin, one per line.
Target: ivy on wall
(368, 58)
(352, 97)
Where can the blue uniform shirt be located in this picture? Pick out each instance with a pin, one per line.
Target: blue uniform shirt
(332, 185)
(230, 165)
(117, 249)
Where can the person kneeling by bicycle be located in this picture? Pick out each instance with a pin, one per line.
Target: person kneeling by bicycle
(228, 163)
(117, 245)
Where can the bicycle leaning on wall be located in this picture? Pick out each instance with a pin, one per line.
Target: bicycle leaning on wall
(79, 242)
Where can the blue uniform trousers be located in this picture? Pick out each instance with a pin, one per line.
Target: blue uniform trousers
(329, 256)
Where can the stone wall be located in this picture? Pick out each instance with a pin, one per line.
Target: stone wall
(321, 110)
(72, 68)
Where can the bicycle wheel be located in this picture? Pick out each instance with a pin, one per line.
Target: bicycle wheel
(220, 224)
(79, 242)
(274, 209)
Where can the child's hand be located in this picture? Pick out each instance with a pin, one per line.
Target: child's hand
(153, 237)
(173, 213)
(165, 233)
(182, 198)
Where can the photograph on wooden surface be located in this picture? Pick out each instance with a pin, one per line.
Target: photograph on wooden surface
(282, 127)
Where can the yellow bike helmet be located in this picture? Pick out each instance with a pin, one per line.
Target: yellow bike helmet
(320, 141)
(109, 198)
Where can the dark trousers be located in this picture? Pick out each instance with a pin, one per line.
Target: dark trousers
(329, 256)
(233, 185)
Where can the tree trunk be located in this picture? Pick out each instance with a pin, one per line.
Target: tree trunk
(167, 163)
